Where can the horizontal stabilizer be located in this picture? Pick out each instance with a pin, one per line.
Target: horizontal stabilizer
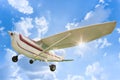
(67, 60)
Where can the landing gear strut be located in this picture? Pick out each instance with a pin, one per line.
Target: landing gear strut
(52, 67)
(15, 58)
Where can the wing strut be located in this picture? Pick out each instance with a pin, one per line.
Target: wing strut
(57, 42)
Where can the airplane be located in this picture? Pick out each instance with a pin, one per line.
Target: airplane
(40, 50)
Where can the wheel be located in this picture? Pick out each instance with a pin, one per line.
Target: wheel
(15, 58)
(52, 67)
(31, 61)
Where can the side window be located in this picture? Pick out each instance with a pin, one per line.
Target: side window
(44, 46)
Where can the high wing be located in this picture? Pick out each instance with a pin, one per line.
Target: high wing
(75, 36)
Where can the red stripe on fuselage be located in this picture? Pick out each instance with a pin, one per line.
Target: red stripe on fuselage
(28, 43)
(21, 38)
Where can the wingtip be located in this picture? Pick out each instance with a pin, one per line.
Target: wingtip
(114, 22)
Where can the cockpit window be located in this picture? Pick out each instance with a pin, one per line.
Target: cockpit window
(44, 46)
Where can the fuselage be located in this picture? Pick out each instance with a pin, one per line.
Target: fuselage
(29, 48)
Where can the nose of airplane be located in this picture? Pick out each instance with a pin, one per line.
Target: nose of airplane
(10, 33)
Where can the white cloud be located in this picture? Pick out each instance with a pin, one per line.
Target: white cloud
(2, 32)
(75, 77)
(24, 26)
(32, 27)
(97, 15)
(88, 15)
(22, 70)
(92, 47)
(101, 1)
(71, 25)
(102, 43)
(1, 29)
(118, 29)
(21, 5)
(93, 69)
(10, 69)
(95, 72)
(60, 52)
(41, 25)
(83, 48)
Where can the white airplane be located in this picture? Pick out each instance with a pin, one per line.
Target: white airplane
(40, 50)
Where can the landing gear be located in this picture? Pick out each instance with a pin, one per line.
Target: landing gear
(31, 61)
(15, 58)
(52, 67)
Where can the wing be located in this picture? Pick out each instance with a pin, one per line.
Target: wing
(84, 34)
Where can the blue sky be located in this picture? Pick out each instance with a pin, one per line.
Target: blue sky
(97, 60)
